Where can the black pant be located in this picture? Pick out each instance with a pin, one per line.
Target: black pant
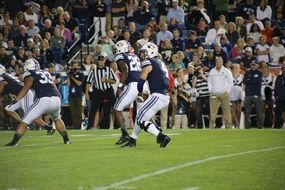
(99, 98)
(280, 108)
(248, 105)
(202, 106)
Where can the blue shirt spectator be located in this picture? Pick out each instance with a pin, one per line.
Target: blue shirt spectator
(163, 34)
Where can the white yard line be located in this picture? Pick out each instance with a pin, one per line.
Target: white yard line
(188, 164)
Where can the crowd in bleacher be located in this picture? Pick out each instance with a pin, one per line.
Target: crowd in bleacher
(190, 36)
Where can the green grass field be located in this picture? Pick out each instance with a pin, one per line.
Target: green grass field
(194, 159)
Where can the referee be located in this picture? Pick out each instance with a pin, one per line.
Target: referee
(102, 78)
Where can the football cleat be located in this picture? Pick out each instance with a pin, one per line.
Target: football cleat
(123, 139)
(50, 132)
(130, 143)
(163, 140)
(11, 144)
(67, 142)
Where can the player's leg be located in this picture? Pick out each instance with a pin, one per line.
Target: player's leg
(128, 95)
(55, 115)
(11, 111)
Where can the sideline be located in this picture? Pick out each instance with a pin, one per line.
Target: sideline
(192, 163)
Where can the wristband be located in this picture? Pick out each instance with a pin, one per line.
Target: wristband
(140, 85)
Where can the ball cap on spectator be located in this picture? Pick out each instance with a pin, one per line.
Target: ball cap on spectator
(218, 44)
(103, 54)
(30, 40)
(174, 1)
(50, 65)
(254, 62)
(248, 49)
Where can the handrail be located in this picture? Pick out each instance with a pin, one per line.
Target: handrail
(73, 44)
(73, 57)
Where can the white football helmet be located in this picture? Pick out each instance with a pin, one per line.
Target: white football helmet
(123, 46)
(151, 48)
(2, 69)
(31, 64)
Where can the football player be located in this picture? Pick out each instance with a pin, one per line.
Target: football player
(10, 85)
(156, 73)
(47, 100)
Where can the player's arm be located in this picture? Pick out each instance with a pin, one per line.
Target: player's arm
(28, 83)
(123, 68)
(144, 73)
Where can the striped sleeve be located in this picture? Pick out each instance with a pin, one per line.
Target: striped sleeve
(90, 77)
(118, 57)
(145, 63)
(111, 74)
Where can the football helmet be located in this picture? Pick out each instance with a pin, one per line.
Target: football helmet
(2, 69)
(31, 64)
(123, 46)
(151, 49)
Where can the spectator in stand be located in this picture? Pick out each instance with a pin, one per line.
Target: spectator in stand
(6, 20)
(252, 82)
(177, 41)
(195, 61)
(201, 53)
(44, 14)
(262, 50)
(21, 18)
(30, 44)
(276, 51)
(11, 66)
(32, 29)
(252, 21)
(166, 51)
(173, 24)
(46, 52)
(246, 61)
(236, 95)
(4, 58)
(226, 45)
(135, 35)
(21, 56)
(21, 39)
(240, 27)
(245, 9)
(99, 20)
(279, 20)
(220, 52)
(14, 30)
(58, 16)
(31, 15)
(232, 34)
(162, 10)
(145, 38)
(193, 43)
(74, 81)
(72, 24)
(176, 63)
(223, 22)
(153, 34)
(132, 6)
(176, 12)
(197, 14)
(267, 31)
(267, 88)
(208, 61)
(81, 11)
(251, 43)
(142, 16)
(11, 49)
(65, 32)
(263, 11)
(220, 83)
(118, 11)
(5, 33)
(47, 27)
(254, 32)
(106, 44)
(163, 34)
(57, 40)
(200, 82)
(279, 94)
(214, 34)
(37, 40)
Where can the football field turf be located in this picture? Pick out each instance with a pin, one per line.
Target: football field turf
(194, 159)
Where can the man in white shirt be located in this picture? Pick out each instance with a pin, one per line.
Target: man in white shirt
(220, 83)
(262, 49)
(277, 50)
(214, 35)
(252, 20)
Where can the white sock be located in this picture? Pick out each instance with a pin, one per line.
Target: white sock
(153, 130)
(136, 131)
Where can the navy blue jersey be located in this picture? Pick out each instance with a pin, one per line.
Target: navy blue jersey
(158, 79)
(133, 63)
(43, 84)
(14, 86)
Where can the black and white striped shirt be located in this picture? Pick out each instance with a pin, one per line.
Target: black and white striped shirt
(202, 86)
(95, 76)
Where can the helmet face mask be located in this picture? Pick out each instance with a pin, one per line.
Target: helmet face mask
(2, 69)
(122, 46)
(31, 64)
